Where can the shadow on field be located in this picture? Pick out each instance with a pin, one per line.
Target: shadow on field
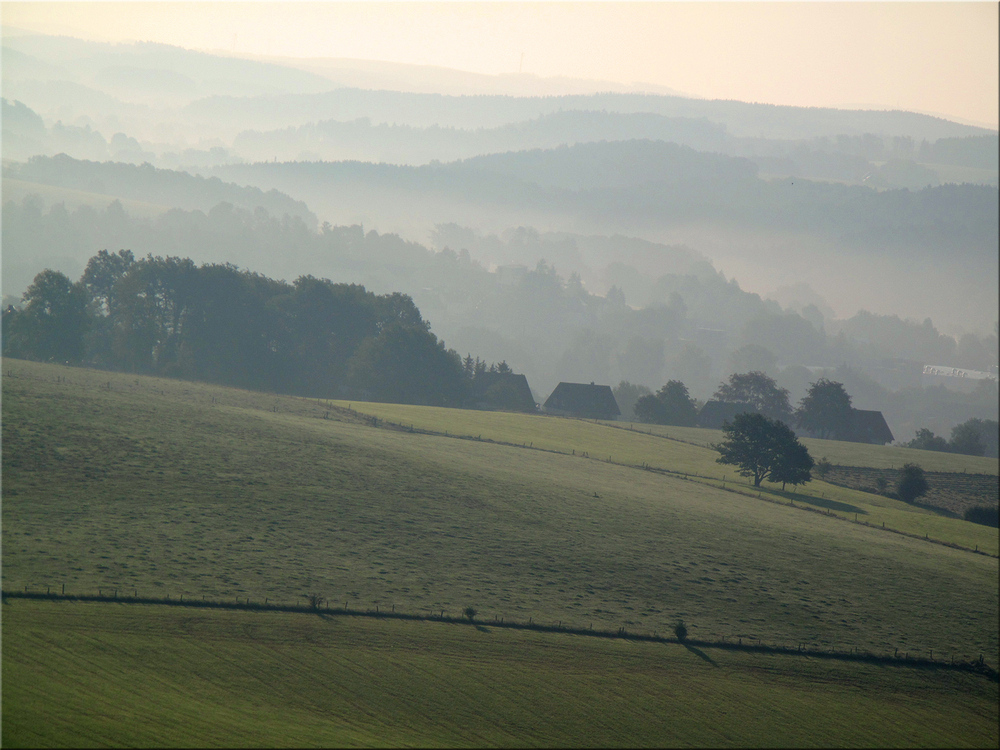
(482, 629)
(940, 511)
(699, 653)
(821, 502)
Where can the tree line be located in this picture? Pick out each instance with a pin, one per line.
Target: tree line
(221, 324)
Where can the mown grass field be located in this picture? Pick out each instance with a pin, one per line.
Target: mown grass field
(87, 675)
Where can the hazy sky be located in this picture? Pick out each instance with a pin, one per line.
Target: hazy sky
(934, 57)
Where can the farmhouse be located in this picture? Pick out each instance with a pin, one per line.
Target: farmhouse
(502, 390)
(582, 400)
(868, 427)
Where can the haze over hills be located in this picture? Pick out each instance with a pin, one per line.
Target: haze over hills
(368, 173)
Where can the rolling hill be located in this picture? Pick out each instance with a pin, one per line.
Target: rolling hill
(162, 488)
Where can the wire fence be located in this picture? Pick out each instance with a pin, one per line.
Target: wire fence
(924, 658)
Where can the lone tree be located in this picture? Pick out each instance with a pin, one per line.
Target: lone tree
(764, 448)
(758, 391)
(825, 410)
(912, 483)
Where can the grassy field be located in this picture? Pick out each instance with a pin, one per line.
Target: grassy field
(684, 450)
(167, 487)
(89, 675)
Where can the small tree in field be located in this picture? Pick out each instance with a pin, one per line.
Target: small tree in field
(912, 483)
(764, 448)
(470, 613)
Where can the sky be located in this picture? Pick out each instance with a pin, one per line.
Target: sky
(933, 57)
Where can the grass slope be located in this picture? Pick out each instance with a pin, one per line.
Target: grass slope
(87, 675)
(168, 487)
(686, 451)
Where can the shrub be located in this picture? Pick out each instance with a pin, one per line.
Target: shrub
(912, 483)
(470, 613)
(823, 467)
(984, 514)
(315, 600)
(680, 630)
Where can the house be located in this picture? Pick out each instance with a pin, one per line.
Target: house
(582, 400)
(714, 413)
(868, 427)
(502, 390)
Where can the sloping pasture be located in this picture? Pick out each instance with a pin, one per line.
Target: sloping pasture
(685, 451)
(86, 675)
(849, 454)
(164, 487)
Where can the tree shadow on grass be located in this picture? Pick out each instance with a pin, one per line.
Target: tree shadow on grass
(482, 629)
(699, 653)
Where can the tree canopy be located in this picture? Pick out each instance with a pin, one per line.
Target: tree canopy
(218, 323)
(671, 405)
(764, 448)
(758, 391)
(825, 410)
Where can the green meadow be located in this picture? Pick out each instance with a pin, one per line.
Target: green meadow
(88, 675)
(686, 451)
(157, 487)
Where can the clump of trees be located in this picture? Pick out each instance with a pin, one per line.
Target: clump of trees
(759, 392)
(974, 437)
(672, 404)
(764, 448)
(218, 323)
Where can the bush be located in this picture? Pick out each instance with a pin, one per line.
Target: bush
(823, 467)
(315, 600)
(912, 483)
(984, 514)
(470, 613)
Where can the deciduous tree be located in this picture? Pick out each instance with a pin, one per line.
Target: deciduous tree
(825, 410)
(764, 448)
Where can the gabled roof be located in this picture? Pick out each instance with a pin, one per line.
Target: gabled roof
(869, 427)
(484, 398)
(583, 400)
(714, 413)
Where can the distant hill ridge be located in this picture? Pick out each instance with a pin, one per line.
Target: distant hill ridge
(483, 111)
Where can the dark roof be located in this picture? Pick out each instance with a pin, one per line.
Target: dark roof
(869, 427)
(714, 413)
(583, 400)
(521, 398)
